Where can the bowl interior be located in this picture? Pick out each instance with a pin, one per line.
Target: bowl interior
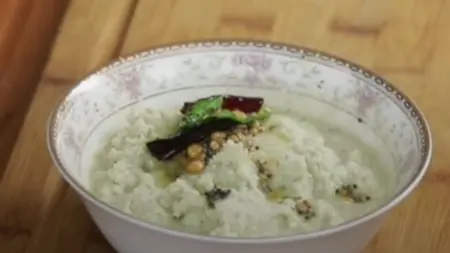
(294, 103)
(291, 78)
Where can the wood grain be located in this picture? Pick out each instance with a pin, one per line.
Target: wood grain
(27, 30)
(408, 44)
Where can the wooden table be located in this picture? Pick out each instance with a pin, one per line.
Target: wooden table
(39, 213)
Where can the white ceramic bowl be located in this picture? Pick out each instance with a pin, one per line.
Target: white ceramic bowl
(306, 80)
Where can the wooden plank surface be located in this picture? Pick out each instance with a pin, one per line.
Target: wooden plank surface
(408, 43)
(27, 30)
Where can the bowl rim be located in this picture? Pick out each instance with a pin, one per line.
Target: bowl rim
(117, 61)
